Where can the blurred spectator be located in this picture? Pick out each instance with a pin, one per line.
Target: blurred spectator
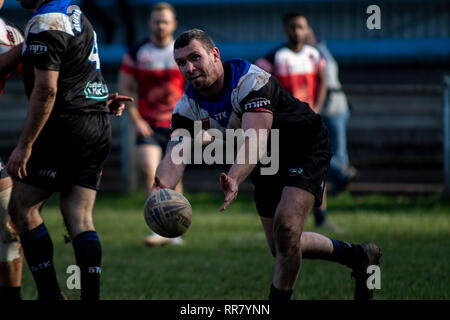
(150, 71)
(301, 70)
(335, 113)
(108, 24)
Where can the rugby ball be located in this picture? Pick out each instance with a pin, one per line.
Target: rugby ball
(168, 213)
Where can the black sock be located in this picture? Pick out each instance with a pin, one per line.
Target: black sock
(88, 254)
(319, 216)
(277, 294)
(346, 253)
(10, 293)
(38, 251)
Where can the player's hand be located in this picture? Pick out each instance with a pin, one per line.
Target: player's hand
(230, 189)
(143, 128)
(157, 185)
(17, 163)
(116, 103)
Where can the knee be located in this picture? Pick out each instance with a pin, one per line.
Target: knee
(287, 236)
(79, 226)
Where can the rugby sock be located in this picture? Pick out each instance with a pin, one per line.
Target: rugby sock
(319, 216)
(277, 294)
(38, 251)
(88, 254)
(346, 253)
(10, 293)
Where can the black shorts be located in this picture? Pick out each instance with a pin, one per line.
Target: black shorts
(3, 172)
(70, 150)
(304, 160)
(160, 137)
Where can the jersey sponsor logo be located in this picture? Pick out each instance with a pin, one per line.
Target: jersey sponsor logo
(257, 103)
(219, 116)
(96, 90)
(10, 36)
(48, 173)
(75, 17)
(37, 47)
(295, 172)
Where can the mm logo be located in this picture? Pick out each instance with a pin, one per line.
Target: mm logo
(295, 172)
(257, 103)
(37, 47)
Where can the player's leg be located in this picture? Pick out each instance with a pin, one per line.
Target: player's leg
(288, 222)
(317, 246)
(11, 255)
(149, 156)
(24, 209)
(77, 204)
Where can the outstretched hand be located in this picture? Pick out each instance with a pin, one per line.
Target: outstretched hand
(116, 104)
(230, 189)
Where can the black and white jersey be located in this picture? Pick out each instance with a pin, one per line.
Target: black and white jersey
(60, 38)
(248, 88)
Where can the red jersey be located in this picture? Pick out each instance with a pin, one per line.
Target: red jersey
(10, 36)
(160, 83)
(297, 71)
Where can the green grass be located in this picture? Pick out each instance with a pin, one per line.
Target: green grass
(226, 256)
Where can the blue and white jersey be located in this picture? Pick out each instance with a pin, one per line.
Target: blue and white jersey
(60, 38)
(248, 88)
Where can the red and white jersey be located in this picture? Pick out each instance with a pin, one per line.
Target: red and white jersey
(160, 83)
(296, 71)
(10, 36)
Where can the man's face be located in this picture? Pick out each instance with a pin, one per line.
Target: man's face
(1, 3)
(162, 24)
(30, 4)
(198, 65)
(297, 30)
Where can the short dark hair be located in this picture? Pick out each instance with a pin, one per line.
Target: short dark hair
(292, 14)
(194, 34)
(163, 6)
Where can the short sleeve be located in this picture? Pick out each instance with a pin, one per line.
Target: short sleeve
(262, 100)
(46, 50)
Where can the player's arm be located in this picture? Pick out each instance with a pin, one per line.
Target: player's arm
(321, 88)
(40, 106)
(10, 60)
(128, 87)
(170, 171)
(238, 172)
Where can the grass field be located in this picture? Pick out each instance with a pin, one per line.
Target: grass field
(225, 255)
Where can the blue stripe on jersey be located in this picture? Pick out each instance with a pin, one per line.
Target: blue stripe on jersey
(221, 109)
(54, 6)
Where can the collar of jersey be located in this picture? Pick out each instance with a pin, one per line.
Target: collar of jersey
(59, 6)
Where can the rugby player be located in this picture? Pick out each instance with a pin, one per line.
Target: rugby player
(64, 143)
(247, 97)
(301, 71)
(11, 256)
(150, 70)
